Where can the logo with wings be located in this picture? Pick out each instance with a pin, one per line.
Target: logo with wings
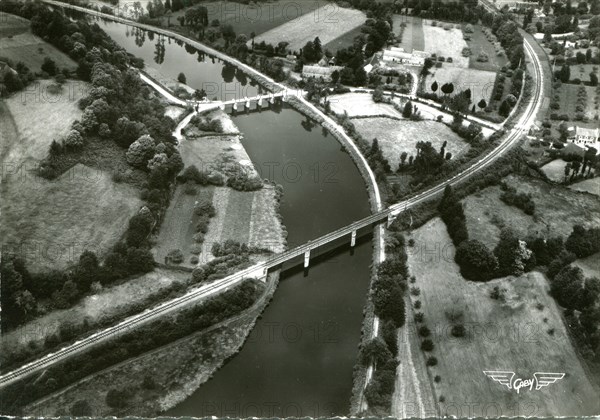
(539, 380)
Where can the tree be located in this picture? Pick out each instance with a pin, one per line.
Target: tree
(567, 287)
(593, 79)
(482, 104)
(407, 110)
(448, 88)
(504, 108)
(375, 352)
(74, 140)
(140, 151)
(49, 66)
(567, 170)
(434, 86)
(564, 73)
(181, 78)
(476, 261)
(512, 254)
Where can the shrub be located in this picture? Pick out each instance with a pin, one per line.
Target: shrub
(431, 361)
(198, 275)
(419, 317)
(194, 259)
(417, 304)
(199, 237)
(427, 345)
(175, 256)
(437, 379)
(74, 140)
(458, 330)
(424, 331)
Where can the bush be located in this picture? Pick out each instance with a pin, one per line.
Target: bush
(419, 317)
(175, 256)
(424, 331)
(427, 345)
(415, 291)
(431, 361)
(458, 330)
(437, 379)
(198, 275)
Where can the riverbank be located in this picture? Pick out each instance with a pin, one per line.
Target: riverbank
(249, 217)
(175, 370)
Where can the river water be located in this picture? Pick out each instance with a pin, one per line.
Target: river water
(298, 361)
(170, 58)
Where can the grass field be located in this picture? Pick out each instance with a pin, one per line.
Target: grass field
(582, 71)
(557, 210)
(17, 43)
(360, 104)
(568, 101)
(588, 185)
(327, 22)
(11, 25)
(54, 221)
(555, 170)
(395, 136)
(245, 217)
(445, 43)
(413, 37)
(510, 336)
(479, 43)
(343, 41)
(254, 17)
(480, 82)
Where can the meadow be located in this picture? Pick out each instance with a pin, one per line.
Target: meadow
(396, 136)
(557, 210)
(17, 43)
(52, 222)
(480, 82)
(509, 336)
(327, 22)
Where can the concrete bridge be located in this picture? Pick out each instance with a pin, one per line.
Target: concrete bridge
(260, 100)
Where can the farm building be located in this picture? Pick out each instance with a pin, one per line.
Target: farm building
(319, 72)
(582, 137)
(398, 55)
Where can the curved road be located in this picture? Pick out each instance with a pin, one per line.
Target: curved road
(259, 269)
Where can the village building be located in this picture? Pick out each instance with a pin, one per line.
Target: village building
(583, 137)
(400, 56)
(320, 72)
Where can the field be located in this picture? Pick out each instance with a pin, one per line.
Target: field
(328, 23)
(557, 210)
(396, 136)
(105, 305)
(17, 43)
(480, 82)
(445, 43)
(360, 104)
(588, 185)
(568, 94)
(582, 71)
(510, 336)
(343, 41)
(480, 43)
(11, 25)
(247, 217)
(54, 221)
(254, 17)
(555, 170)
(413, 37)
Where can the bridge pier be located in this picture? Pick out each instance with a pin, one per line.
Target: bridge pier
(259, 103)
(248, 105)
(353, 238)
(390, 219)
(306, 258)
(235, 107)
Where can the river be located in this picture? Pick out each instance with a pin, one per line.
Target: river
(298, 361)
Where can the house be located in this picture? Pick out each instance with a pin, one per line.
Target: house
(583, 137)
(319, 72)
